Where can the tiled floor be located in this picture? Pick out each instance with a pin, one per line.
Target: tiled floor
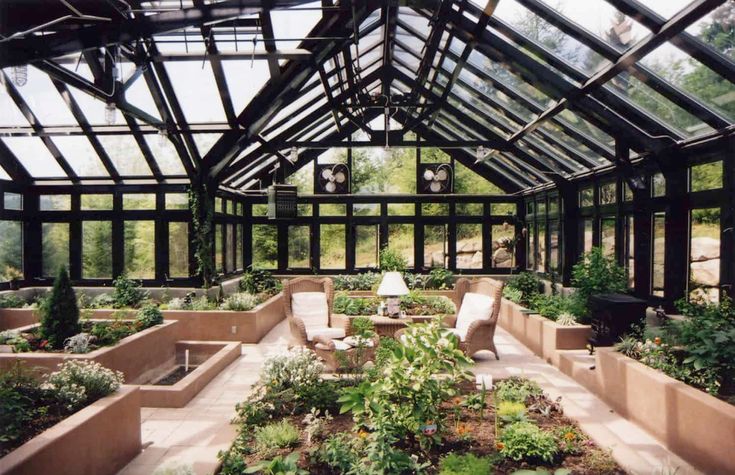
(192, 436)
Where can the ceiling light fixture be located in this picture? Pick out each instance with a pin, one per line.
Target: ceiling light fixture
(293, 155)
(19, 75)
(480, 153)
(110, 113)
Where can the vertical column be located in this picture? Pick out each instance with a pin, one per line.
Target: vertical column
(75, 238)
(118, 235)
(676, 263)
(32, 238)
(569, 220)
(161, 239)
(727, 222)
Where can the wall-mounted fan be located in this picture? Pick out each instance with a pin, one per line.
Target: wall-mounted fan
(435, 178)
(332, 179)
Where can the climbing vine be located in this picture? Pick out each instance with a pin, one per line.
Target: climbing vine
(202, 215)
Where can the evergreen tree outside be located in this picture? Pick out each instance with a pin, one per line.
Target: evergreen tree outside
(59, 312)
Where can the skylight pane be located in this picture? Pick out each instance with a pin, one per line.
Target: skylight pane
(139, 96)
(93, 108)
(295, 24)
(4, 175)
(125, 155)
(204, 142)
(44, 100)
(196, 91)
(713, 28)
(34, 156)
(165, 154)
(11, 115)
(587, 128)
(80, 155)
(666, 8)
(244, 80)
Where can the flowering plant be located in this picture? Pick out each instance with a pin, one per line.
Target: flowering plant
(79, 382)
(297, 369)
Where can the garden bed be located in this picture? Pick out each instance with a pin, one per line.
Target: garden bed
(98, 440)
(11, 318)
(138, 356)
(698, 427)
(210, 358)
(542, 336)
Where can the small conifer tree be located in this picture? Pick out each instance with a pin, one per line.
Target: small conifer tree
(59, 312)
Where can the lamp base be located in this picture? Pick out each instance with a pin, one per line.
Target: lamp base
(393, 305)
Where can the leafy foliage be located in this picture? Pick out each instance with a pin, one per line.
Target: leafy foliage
(240, 302)
(12, 301)
(278, 435)
(516, 389)
(511, 411)
(441, 278)
(361, 281)
(128, 293)
(258, 281)
(201, 204)
(278, 466)
(527, 283)
(392, 260)
(59, 312)
(79, 343)
(596, 273)
(526, 441)
(467, 464)
(148, 316)
(551, 306)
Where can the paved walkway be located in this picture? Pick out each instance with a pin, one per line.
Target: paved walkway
(192, 436)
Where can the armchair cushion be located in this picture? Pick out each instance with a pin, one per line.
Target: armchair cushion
(311, 308)
(324, 332)
(474, 307)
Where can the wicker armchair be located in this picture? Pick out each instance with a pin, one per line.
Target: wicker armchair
(297, 326)
(481, 332)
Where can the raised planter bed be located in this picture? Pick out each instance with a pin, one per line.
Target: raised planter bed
(210, 357)
(11, 318)
(98, 440)
(370, 293)
(698, 427)
(542, 336)
(137, 356)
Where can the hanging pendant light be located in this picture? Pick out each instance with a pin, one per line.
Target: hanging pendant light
(293, 155)
(19, 75)
(162, 138)
(480, 153)
(110, 113)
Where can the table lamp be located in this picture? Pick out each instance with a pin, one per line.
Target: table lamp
(392, 287)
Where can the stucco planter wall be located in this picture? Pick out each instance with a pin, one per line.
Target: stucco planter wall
(137, 356)
(212, 357)
(542, 336)
(11, 318)
(98, 440)
(698, 427)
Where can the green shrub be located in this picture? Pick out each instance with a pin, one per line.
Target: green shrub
(12, 301)
(566, 319)
(148, 316)
(279, 466)
(416, 281)
(441, 278)
(524, 441)
(109, 333)
(295, 370)
(79, 343)
(550, 306)
(511, 411)
(392, 260)
(278, 435)
(81, 382)
(339, 451)
(240, 302)
(516, 389)
(257, 281)
(21, 403)
(59, 312)
(361, 281)
(596, 273)
(513, 294)
(128, 292)
(203, 304)
(468, 464)
(102, 301)
(527, 283)
(352, 306)
(572, 441)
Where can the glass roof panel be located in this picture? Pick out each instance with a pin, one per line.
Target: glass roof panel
(244, 80)
(34, 156)
(139, 96)
(44, 100)
(487, 88)
(125, 155)
(165, 154)
(4, 175)
(539, 31)
(584, 126)
(11, 115)
(715, 29)
(93, 108)
(196, 90)
(80, 155)
(685, 72)
(660, 107)
(204, 142)
(557, 132)
(602, 20)
(295, 24)
(667, 8)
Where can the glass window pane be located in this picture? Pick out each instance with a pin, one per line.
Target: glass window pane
(400, 239)
(607, 236)
(659, 255)
(55, 248)
(13, 201)
(541, 248)
(366, 209)
(230, 248)
(165, 155)
(54, 202)
(96, 202)
(34, 156)
(366, 246)
(627, 192)
(658, 185)
(707, 176)
(299, 247)
(44, 100)
(177, 201)
(140, 248)
(469, 209)
(587, 235)
(265, 246)
(260, 210)
(80, 155)
(139, 201)
(332, 209)
(11, 249)
(469, 246)
(503, 209)
(332, 245)
(435, 246)
(468, 182)
(531, 247)
(503, 245)
(630, 250)
(434, 209)
(553, 245)
(608, 193)
(204, 105)
(401, 209)
(96, 245)
(376, 170)
(218, 253)
(586, 197)
(178, 250)
(239, 247)
(125, 154)
(704, 257)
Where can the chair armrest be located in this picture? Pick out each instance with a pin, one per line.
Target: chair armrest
(450, 321)
(476, 326)
(340, 320)
(298, 330)
(324, 340)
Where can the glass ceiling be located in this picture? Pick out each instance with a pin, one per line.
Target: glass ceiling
(233, 94)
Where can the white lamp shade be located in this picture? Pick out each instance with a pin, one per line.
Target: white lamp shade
(392, 285)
